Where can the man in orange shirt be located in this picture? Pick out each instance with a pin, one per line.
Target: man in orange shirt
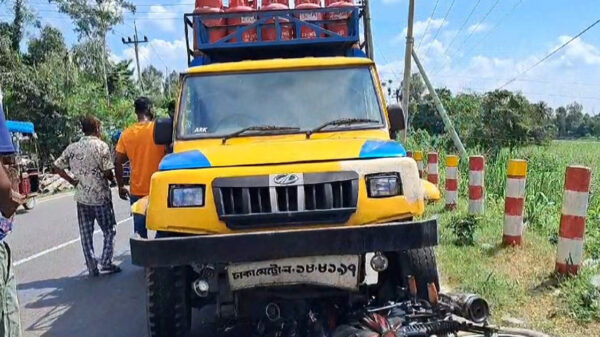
(137, 144)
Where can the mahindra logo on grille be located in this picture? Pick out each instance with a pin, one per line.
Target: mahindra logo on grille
(285, 179)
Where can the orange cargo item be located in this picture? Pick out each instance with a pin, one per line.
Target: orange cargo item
(305, 32)
(233, 24)
(217, 28)
(270, 33)
(209, 3)
(341, 25)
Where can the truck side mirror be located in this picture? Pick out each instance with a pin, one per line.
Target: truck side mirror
(163, 131)
(396, 116)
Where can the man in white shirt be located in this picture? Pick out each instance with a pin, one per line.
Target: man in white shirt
(90, 164)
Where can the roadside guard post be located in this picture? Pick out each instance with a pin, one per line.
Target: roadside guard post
(572, 220)
(476, 185)
(418, 156)
(514, 203)
(433, 168)
(451, 182)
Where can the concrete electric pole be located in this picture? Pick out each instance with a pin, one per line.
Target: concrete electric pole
(368, 33)
(135, 43)
(407, 61)
(440, 108)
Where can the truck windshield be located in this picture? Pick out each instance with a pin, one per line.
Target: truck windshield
(217, 105)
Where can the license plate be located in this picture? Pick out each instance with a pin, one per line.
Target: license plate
(338, 271)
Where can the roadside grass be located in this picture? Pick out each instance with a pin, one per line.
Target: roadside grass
(519, 281)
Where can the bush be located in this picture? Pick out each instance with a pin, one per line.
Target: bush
(580, 297)
(464, 230)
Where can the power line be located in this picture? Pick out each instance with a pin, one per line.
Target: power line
(531, 80)
(428, 22)
(475, 27)
(440, 27)
(152, 47)
(136, 41)
(462, 26)
(556, 50)
(528, 93)
(387, 62)
(506, 15)
(45, 2)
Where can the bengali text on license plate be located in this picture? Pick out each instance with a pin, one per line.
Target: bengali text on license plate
(339, 271)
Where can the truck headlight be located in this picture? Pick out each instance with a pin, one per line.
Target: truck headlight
(186, 195)
(384, 185)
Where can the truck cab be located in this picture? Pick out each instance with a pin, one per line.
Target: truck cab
(284, 195)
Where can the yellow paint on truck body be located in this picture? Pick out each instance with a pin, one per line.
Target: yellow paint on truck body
(328, 151)
(204, 220)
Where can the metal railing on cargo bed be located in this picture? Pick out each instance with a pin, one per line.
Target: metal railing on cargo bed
(203, 49)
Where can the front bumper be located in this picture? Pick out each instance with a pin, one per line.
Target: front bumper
(267, 245)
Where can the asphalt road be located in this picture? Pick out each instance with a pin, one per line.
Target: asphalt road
(57, 298)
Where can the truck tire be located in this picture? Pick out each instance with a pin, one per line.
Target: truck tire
(168, 301)
(421, 264)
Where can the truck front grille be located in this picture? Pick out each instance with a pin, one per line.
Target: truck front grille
(259, 201)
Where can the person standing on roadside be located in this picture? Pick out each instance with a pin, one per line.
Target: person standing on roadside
(10, 322)
(90, 163)
(137, 144)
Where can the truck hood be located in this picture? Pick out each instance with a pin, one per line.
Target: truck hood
(275, 152)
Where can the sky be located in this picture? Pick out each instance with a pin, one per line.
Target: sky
(465, 45)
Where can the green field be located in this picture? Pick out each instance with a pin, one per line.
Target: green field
(519, 282)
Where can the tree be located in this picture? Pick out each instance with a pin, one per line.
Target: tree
(464, 110)
(504, 117)
(120, 79)
(574, 119)
(50, 42)
(94, 19)
(171, 85)
(542, 126)
(417, 87)
(425, 116)
(560, 121)
(153, 82)
(596, 126)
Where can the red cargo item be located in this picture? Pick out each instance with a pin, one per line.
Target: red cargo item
(339, 27)
(233, 24)
(269, 33)
(217, 28)
(305, 32)
(209, 3)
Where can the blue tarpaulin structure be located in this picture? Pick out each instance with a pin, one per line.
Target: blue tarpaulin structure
(22, 127)
(6, 145)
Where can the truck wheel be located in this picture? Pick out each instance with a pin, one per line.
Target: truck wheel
(168, 301)
(421, 264)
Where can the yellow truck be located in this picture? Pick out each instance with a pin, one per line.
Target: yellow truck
(284, 205)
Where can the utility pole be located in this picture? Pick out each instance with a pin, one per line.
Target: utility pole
(440, 108)
(135, 43)
(368, 33)
(407, 61)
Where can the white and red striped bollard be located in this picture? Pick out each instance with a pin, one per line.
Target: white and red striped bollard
(476, 185)
(418, 156)
(451, 195)
(514, 203)
(572, 221)
(433, 168)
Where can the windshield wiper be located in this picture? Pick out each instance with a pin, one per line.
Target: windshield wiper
(341, 121)
(264, 128)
